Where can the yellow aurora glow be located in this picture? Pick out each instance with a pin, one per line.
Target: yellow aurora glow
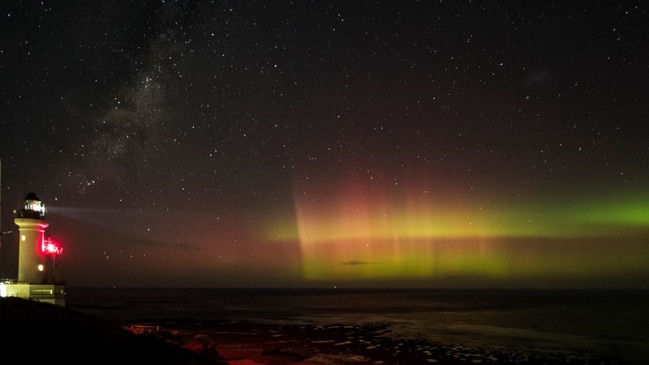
(357, 236)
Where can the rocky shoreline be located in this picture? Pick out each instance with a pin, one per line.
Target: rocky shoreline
(259, 344)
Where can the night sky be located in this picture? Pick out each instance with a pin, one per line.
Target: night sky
(330, 143)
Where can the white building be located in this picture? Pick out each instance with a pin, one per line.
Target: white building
(38, 278)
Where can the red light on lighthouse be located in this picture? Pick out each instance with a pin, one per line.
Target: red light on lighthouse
(51, 247)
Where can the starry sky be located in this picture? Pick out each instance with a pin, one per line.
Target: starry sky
(330, 143)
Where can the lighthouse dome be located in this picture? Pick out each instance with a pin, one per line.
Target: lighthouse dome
(31, 196)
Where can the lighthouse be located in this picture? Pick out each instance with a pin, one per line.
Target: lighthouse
(37, 272)
(30, 220)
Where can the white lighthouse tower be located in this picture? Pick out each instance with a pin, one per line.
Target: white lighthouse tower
(37, 276)
(30, 220)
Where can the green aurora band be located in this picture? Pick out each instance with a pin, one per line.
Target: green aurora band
(571, 242)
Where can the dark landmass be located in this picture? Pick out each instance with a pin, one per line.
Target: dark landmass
(36, 331)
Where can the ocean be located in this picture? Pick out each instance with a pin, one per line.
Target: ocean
(609, 323)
